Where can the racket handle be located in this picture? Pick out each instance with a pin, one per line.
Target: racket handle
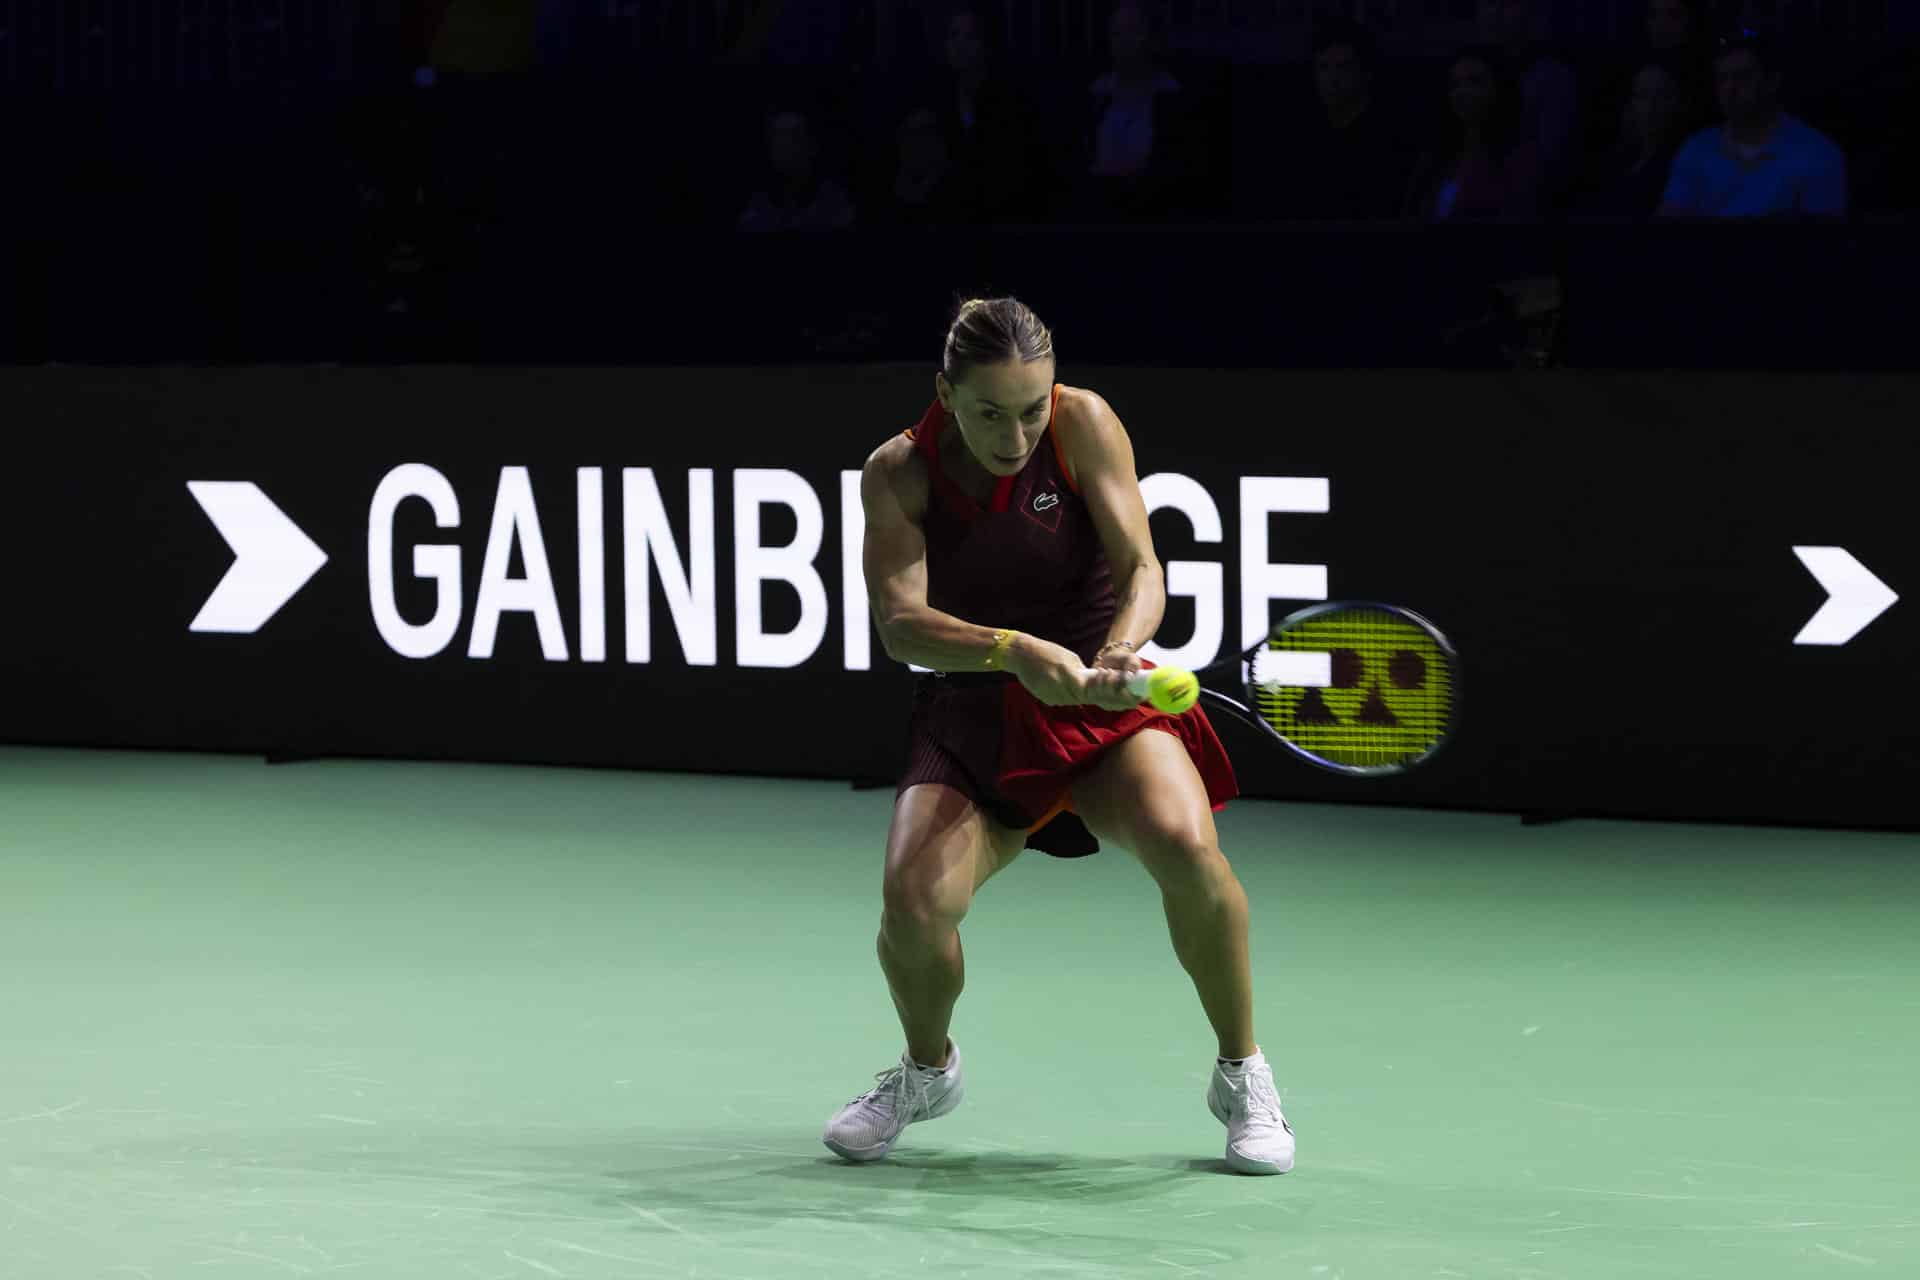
(1137, 684)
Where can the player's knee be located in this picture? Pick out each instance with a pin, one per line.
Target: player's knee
(1184, 857)
(916, 905)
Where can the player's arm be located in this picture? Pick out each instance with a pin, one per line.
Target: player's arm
(894, 558)
(893, 493)
(1100, 456)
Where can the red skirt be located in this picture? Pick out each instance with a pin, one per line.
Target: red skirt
(1016, 758)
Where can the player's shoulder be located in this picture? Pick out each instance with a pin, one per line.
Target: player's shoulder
(1081, 403)
(898, 465)
(896, 451)
(897, 458)
(1086, 424)
(1083, 411)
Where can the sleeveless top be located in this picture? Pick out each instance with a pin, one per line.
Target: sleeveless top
(1030, 559)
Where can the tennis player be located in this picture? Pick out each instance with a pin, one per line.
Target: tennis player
(1007, 550)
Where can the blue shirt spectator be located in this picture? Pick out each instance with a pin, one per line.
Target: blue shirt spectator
(1763, 162)
(1797, 170)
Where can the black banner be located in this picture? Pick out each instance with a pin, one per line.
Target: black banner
(1675, 595)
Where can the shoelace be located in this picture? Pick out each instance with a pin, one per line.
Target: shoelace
(897, 1084)
(1262, 1101)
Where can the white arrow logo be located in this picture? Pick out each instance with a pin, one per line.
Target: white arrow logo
(1854, 596)
(272, 558)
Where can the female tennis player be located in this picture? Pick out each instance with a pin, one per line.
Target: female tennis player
(1007, 550)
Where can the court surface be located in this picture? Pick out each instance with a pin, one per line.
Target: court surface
(436, 1021)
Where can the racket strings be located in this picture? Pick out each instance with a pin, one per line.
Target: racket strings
(1383, 697)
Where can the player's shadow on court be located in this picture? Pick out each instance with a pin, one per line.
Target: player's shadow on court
(1045, 1177)
(941, 1192)
(1011, 1175)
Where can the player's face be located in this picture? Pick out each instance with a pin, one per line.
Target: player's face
(1002, 411)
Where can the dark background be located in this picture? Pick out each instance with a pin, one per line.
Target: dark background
(559, 182)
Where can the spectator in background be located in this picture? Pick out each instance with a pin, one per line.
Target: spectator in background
(1141, 153)
(1679, 36)
(1487, 164)
(1676, 35)
(1350, 161)
(921, 192)
(990, 144)
(1677, 28)
(1549, 97)
(407, 240)
(797, 197)
(1629, 181)
(1762, 162)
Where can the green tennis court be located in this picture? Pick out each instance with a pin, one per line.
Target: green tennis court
(388, 1019)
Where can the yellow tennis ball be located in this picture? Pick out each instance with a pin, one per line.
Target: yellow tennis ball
(1172, 690)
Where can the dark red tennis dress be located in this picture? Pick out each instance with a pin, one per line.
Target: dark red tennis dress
(1030, 560)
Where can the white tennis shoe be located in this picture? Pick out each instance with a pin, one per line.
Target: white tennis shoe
(866, 1128)
(1259, 1139)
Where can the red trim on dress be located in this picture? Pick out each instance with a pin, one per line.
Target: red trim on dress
(926, 439)
(1003, 492)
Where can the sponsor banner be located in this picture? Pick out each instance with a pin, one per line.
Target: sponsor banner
(1675, 595)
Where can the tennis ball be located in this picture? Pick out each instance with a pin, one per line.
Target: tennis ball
(1172, 690)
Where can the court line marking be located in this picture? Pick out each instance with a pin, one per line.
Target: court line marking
(651, 1216)
(263, 1257)
(602, 1253)
(336, 1074)
(1652, 1195)
(51, 1113)
(1843, 1254)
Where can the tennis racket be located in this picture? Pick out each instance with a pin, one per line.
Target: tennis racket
(1358, 688)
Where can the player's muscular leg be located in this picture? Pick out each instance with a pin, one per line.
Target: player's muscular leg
(1146, 796)
(940, 849)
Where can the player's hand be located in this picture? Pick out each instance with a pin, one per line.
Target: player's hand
(1055, 676)
(1119, 658)
(1117, 665)
(1107, 689)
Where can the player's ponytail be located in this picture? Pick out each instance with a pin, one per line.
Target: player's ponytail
(991, 330)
